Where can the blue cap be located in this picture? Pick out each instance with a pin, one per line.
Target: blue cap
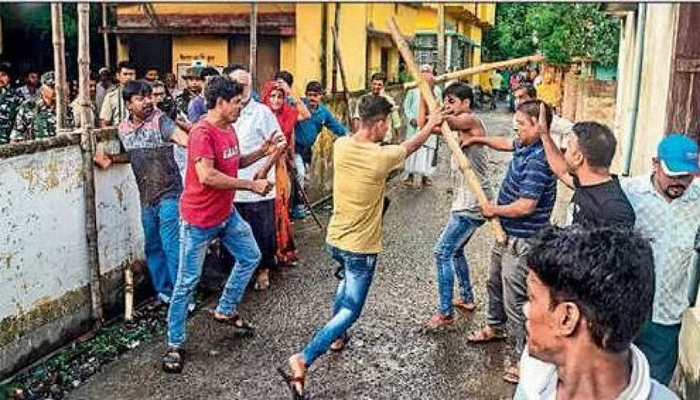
(678, 155)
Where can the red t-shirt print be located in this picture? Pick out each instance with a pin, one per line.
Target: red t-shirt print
(205, 206)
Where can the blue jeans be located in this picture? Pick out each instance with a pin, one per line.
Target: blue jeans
(161, 223)
(357, 271)
(450, 260)
(237, 236)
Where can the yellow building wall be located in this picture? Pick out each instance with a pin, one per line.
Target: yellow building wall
(212, 49)
(352, 36)
(378, 15)
(306, 46)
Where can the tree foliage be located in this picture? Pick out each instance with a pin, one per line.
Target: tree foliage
(560, 31)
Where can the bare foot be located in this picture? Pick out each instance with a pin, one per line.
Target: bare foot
(298, 367)
(263, 280)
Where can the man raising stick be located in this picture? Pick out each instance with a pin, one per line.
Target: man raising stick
(361, 167)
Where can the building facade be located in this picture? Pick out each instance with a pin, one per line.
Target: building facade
(296, 37)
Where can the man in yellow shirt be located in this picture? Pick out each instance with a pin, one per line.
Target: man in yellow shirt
(361, 167)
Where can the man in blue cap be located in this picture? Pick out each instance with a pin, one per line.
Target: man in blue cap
(667, 205)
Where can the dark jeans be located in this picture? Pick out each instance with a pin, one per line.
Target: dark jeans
(261, 217)
(659, 343)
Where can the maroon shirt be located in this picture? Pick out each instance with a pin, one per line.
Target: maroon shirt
(200, 205)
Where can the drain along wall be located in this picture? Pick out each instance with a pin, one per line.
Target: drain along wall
(43, 248)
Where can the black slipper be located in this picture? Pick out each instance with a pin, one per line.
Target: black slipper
(345, 339)
(173, 360)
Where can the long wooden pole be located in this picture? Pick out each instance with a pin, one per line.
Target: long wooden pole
(334, 76)
(253, 43)
(441, 40)
(450, 137)
(481, 68)
(339, 60)
(59, 62)
(105, 35)
(88, 151)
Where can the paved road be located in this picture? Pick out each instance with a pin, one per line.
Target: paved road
(390, 356)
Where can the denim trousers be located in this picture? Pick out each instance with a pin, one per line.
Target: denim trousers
(507, 289)
(356, 273)
(161, 223)
(450, 260)
(237, 237)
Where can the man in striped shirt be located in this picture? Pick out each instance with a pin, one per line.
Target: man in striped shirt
(524, 205)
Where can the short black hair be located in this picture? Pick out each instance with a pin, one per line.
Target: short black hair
(608, 272)
(373, 109)
(221, 87)
(136, 88)
(459, 90)
(6, 67)
(597, 143)
(125, 65)
(208, 71)
(378, 76)
(234, 67)
(531, 108)
(285, 76)
(529, 89)
(93, 76)
(153, 69)
(315, 86)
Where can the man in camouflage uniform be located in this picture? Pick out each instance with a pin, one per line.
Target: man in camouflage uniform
(193, 77)
(9, 103)
(36, 117)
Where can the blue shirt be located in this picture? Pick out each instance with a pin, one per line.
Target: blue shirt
(196, 109)
(306, 132)
(529, 177)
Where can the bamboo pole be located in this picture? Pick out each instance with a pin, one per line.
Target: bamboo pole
(450, 137)
(339, 60)
(59, 62)
(253, 42)
(481, 68)
(334, 76)
(441, 40)
(105, 35)
(88, 153)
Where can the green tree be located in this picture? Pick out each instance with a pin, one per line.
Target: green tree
(560, 31)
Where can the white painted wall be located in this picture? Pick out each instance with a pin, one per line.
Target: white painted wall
(655, 80)
(42, 226)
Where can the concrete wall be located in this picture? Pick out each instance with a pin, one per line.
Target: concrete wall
(656, 74)
(43, 249)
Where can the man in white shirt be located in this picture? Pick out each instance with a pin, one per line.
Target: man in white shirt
(589, 292)
(254, 126)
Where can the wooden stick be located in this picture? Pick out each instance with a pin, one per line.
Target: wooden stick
(480, 68)
(128, 293)
(254, 44)
(88, 144)
(59, 61)
(339, 60)
(450, 137)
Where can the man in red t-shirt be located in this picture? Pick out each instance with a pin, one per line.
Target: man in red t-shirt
(206, 207)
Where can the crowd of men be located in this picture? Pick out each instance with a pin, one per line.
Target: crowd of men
(592, 310)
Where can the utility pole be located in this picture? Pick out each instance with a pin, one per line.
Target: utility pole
(253, 42)
(59, 62)
(441, 40)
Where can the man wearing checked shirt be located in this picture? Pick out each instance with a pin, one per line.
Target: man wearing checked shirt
(667, 205)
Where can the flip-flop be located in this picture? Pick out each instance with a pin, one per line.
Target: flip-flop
(236, 322)
(512, 375)
(481, 336)
(345, 339)
(464, 307)
(173, 360)
(290, 381)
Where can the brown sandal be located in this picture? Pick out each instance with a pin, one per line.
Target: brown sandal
(291, 381)
(464, 307)
(236, 322)
(485, 335)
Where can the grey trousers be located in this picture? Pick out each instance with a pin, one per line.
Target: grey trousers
(507, 290)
